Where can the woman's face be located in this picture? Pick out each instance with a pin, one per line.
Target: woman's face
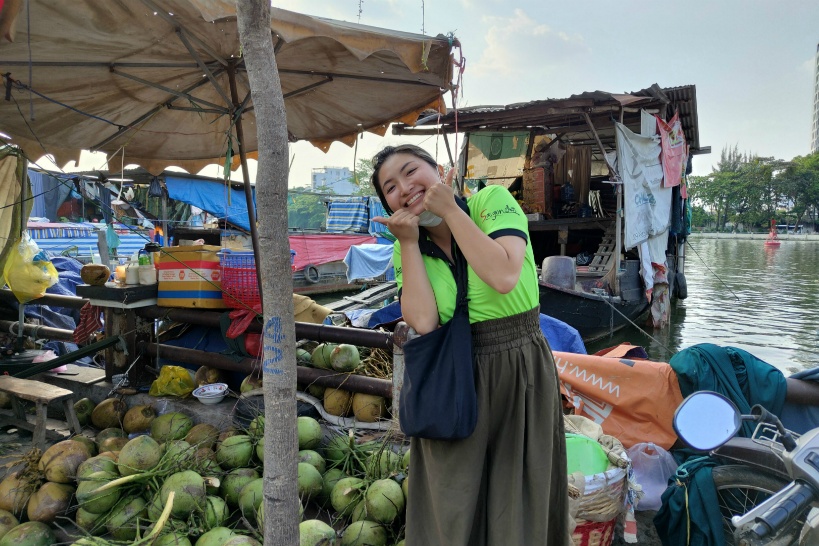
(404, 179)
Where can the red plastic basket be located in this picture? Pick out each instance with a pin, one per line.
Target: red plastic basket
(240, 288)
(593, 533)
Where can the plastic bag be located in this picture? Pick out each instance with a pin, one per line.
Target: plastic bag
(652, 467)
(28, 271)
(172, 381)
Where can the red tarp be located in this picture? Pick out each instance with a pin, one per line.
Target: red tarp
(324, 248)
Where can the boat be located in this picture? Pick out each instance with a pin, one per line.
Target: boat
(773, 240)
(555, 156)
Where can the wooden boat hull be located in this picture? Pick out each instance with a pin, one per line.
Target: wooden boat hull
(593, 316)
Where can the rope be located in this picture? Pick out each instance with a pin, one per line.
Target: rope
(710, 271)
(652, 338)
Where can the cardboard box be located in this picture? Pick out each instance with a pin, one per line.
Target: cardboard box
(190, 277)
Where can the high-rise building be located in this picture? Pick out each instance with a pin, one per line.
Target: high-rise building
(337, 179)
(814, 147)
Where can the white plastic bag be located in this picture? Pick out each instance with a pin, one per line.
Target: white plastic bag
(653, 466)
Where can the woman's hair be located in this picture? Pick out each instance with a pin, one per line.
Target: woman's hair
(386, 153)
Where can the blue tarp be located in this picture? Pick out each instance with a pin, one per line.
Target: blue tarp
(377, 209)
(217, 198)
(369, 262)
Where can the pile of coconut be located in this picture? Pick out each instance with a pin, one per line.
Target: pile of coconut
(161, 479)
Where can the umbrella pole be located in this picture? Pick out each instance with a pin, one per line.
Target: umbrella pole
(251, 210)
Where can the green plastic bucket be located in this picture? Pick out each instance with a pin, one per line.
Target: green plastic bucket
(584, 455)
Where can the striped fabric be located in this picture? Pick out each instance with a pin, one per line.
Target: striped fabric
(376, 209)
(350, 214)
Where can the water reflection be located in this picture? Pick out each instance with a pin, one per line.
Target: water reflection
(743, 294)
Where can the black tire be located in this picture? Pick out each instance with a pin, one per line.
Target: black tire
(311, 274)
(739, 489)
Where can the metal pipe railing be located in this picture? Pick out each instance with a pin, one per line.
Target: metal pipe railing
(38, 331)
(52, 300)
(304, 330)
(304, 375)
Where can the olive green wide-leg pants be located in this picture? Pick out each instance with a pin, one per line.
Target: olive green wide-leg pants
(506, 484)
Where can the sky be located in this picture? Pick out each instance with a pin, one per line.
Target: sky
(752, 62)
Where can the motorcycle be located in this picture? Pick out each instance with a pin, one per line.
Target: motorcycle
(768, 483)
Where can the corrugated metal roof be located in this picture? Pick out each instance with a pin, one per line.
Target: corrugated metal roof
(566, 116)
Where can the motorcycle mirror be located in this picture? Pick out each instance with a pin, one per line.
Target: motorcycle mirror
(706, 420)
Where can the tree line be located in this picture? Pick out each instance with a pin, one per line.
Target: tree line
(747, 191)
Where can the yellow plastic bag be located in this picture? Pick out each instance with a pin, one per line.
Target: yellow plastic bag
(28, 271)
(172, 381)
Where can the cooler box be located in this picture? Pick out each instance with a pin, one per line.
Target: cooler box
(189, 276)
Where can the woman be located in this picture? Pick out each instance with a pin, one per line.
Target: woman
(506, 484)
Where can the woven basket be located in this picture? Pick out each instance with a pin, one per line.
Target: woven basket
(604, 496)
(593, 533)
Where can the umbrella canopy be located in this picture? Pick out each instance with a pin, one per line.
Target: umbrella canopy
(155, 79)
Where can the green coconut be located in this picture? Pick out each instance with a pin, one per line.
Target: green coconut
(303, 357)
(329, 480)
(346, 493)
(138, 418)
(309, 481)
(155, 507)
(32, 533)
(123, 519)
(202, 435)
(383, 464)
(260, 451)
(314, 532)
(250, 383)
(15, 491)
(89, 522)
(170, 426)
(179, 451)
(337, 449)
(215, 537)
(84, 408)
(109, 413)
(256, 427)
(360, 511)
(312, 457)
(242, 540)
(235, 452)
(49, 501)
(59, 463)
(138, 455)
(190, 492)
(364, 533)
(216, 512)
(89, 443)
(96, 464)
(405, 489)
(233, 482)
(113, 444)
(104, 434)
(322, 354)
(310, 434)
(172, 539)
(316, 391)
(345, 358)
(405, 460)
(250, 497)
(94, 501)
(385, 501)
(7, 522)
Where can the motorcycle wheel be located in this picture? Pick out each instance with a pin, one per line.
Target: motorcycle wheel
(740, 489)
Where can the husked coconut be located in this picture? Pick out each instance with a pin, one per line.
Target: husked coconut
(368, 408)
(337, 401)
(109, 413)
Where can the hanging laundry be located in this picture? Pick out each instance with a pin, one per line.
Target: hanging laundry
(647, 203)
(675, 154)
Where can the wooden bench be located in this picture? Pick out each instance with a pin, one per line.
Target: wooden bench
(41, 394)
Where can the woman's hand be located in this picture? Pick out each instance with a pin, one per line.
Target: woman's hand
(402, 224)
(440, 200)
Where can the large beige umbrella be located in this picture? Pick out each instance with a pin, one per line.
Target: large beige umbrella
(163, 79)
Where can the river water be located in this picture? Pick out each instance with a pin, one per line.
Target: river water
(742, 294)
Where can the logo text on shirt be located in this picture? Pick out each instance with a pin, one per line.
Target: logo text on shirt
(492, 215)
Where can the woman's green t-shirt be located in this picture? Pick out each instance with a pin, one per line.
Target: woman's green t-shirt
(497, 214)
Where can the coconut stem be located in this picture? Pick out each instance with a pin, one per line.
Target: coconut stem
(118, 482)
(163, 518)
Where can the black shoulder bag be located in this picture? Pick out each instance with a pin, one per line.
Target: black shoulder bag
(438, 399)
